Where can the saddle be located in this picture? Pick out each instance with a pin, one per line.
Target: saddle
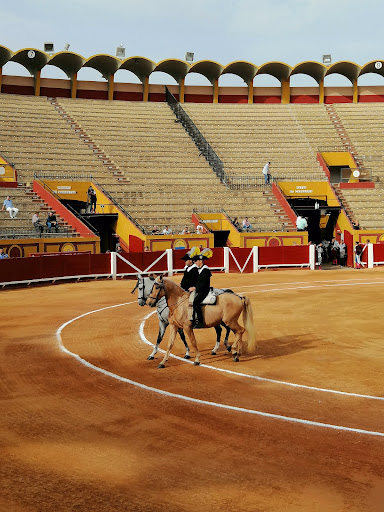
(209, 300)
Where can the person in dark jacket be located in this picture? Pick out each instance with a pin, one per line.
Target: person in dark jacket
(190, 270)
(52, 222)
(203, 284)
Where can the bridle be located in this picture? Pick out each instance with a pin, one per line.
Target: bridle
(156, 286)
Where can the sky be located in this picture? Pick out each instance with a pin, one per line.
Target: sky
(289, 31)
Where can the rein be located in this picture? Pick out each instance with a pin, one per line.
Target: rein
(156, 299)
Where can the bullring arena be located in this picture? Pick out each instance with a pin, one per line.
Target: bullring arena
(89, 424)
(284, 185)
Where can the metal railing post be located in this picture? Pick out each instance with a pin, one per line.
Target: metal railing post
(226, 260)
(170, 262)
(113, 265)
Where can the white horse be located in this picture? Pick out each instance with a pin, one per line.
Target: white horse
(144, 286)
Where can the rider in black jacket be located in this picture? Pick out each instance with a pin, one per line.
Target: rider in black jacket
(203, 284)
(190, 270)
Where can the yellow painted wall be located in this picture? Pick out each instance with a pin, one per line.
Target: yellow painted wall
(161, 242)
(315, 189)
(339, 158)
(9, 174)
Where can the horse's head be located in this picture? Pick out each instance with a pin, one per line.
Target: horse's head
(157, 292)
(144, 285)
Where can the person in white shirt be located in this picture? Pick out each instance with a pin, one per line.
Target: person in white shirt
(267, 174)
(167, 231)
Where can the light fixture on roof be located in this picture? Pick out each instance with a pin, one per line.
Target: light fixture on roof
(49, 47)
(327, 59)
(378, 65)
(120, 51)
(66, 47)
(31, 54)
(189, 56)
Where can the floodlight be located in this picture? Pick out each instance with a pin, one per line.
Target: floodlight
(378, 65)
(120, 51)
(49, 47)
(31, 54)
(327, 59)
(189, 56)
(66, 47)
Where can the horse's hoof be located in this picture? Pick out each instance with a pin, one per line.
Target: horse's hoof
(187, 356)
(150, 358)
(229, 349)
(213, 353)
(196, 363)
(235, 357)
(161, 365)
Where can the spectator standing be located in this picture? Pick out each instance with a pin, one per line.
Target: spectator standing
(3, 254)
(335, 250)
(343, 251)
(358, 250)
(320, 252)
(92, 199)
(7, 205)
(301, 223)
(36, 223)
(267, 174)
(247, 226)
(52, 222)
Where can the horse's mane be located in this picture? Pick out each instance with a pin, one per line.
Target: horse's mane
(173, 286)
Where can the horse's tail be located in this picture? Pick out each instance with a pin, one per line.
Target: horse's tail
(249, 325)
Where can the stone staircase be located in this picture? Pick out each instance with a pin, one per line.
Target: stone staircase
(278, 211)
(344, 203)
(111, 166)
(346, 141)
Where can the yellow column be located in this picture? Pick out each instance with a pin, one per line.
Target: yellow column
(321, 91)
(74, 86)
(110, 87)
(37, 83)
(216, 91)
(1, 78)
(355, 92)
(181, 90)
(250, 92)
(146, 89)
(285, 91)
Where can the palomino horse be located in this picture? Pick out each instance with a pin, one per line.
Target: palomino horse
(227, 309)
(144, 286)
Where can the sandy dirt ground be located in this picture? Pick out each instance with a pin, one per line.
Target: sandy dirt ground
(87, 423)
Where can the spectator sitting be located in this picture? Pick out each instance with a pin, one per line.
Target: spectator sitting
(301, 223)
(185, 231)
(52, 222)
(167, 231)
(155, 230)
(36, 223)
(247, 226)
(146, 249)
(199, 229)
(7, 205)
(236, 224)
(3, 255)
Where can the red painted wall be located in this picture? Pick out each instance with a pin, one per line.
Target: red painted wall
(232, 98)
(128, 96)
(17, 89)
(338, 99)
(198, 98)
(303, 98)
(92, 95)
(266, 99)
(55, 93)
(371, 98)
